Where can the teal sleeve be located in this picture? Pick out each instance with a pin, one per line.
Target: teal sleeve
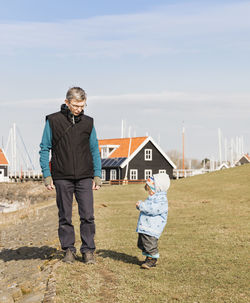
(94, 148)
(45, 148)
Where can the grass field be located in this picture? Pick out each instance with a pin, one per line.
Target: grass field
(204, 249)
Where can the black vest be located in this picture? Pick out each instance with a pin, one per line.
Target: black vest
(71, 156)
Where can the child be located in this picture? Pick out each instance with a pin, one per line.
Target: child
(152, 218)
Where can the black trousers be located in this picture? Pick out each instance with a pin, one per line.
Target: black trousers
(64, 198)
(148, 244)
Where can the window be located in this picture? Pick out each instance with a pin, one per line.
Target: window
(107, 150)
(103, 174)
(148, 154)
(147, 173)
(133, 174)
(113, 174)
(162, 171)
(104, 152)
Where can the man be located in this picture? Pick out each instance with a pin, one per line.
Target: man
(75, 169)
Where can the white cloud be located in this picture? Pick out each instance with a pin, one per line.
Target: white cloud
(30, 103)
(158, 113)
(215, 104)
(174, 96)
(160, 31)
(178, 104)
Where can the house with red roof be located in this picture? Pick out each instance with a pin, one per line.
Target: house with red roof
(134, 158)
(4, 167)
(243, 160)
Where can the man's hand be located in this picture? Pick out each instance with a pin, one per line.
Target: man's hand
(97, 182)
(49, 183)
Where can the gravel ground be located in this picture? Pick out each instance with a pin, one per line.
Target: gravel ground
(29, 251)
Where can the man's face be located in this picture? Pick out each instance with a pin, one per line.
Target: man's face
(76, 106)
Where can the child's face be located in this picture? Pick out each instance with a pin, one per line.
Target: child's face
(147, 188)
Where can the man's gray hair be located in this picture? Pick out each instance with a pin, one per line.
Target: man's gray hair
(76, 93)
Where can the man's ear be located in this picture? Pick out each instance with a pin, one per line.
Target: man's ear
(67, 102)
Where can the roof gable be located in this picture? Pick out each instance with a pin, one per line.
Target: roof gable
(3, 159)
(246, 156)
(132, 155)
(223, 165)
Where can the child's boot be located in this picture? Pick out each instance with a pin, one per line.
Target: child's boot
(149, 262)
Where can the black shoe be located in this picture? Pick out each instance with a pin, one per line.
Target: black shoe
(149, 262)
(88, 257)
(69, 256)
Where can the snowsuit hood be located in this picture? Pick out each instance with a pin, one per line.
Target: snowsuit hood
(162, 182)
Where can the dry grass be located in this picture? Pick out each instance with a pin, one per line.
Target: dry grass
(27, 192)
(204, 248)
(30, 194)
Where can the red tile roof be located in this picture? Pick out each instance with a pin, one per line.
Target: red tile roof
(247, 156)
(122, 150)
(3, 160)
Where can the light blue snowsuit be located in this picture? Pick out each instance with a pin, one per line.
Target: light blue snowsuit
(153, 215)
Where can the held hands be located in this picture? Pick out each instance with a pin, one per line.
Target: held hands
(97, 182)
(49, 183)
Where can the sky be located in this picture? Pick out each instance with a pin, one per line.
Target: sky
(158, 65)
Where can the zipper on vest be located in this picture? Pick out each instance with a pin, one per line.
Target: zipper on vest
(74, 160)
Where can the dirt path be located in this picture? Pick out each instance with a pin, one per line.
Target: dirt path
(29, 252)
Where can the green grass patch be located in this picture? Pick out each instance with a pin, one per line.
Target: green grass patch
(204, 249)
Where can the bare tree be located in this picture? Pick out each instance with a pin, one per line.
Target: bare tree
(176, 157)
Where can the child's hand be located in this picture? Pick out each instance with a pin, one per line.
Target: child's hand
(137, 204)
